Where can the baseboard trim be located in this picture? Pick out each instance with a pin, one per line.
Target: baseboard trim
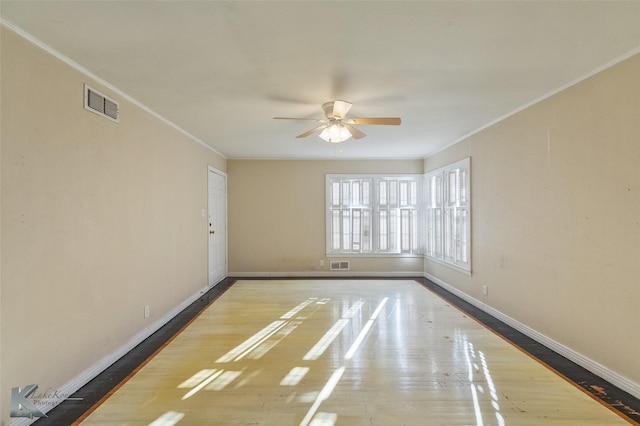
(583, 361)
(322, 274)
(90, 373)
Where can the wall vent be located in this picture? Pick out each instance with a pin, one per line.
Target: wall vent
(98, 103)
(339, 265)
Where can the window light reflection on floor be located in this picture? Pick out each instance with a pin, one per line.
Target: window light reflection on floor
(251, 343)
(214, 380)
(223, 380)
(295, 375)
(476, 388)
(259, 350)
(326, 391)
(196, 378)
(311, 418)
(254, 348)
(258, 339)
(169, 418)
(261, 342)
(356, 344)
(202, 384)
(293, 312)
(318, 349)
(324, 419)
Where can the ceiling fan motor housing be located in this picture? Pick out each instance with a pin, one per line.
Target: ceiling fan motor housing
(336, 109)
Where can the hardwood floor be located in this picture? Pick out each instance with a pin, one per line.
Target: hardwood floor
(343, 352)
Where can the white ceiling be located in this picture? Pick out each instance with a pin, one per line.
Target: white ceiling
(220, 70)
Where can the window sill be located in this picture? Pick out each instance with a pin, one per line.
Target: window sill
(343, 255)
(449, 265)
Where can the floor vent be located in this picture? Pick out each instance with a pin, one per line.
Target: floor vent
(339, 265)
(98, 103)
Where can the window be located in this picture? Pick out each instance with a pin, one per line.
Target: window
(448, 215)
(426, 214)
(373, 214)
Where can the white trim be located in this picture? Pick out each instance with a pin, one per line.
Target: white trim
(374, 209)
(378, 255)
(407, 176)
(217, 171)
(565, 86)
(103, 82)
(330, 158)
(448, 265)
(87, 375)
(442, 172)
(211, 169)
(304, 274)
(598, 369)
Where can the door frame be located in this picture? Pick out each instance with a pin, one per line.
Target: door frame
(211, 169)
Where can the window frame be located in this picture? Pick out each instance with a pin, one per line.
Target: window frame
(412, 212)
(447, 215)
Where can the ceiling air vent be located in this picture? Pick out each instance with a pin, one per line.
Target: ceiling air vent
(98, 103)
(339, 265)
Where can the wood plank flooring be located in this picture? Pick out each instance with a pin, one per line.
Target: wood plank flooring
(352, 352)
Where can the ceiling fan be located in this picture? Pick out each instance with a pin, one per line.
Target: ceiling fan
(336, 126)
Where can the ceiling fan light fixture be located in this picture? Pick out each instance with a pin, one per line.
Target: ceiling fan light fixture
(338, 128)
(335, 133)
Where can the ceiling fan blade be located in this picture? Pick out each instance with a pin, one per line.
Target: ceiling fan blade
(394, 121)
(357, 134)
(309, 132)
(321, 120)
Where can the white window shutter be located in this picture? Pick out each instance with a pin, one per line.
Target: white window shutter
(448, 215)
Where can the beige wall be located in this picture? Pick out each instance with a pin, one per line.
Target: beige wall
(277, 217)
(98, 220)
(555, 218)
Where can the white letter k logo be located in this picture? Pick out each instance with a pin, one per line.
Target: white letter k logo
(21, 406)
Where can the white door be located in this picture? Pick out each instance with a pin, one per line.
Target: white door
(217, 226)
